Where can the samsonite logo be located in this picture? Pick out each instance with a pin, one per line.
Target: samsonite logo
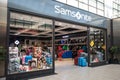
(71, 13)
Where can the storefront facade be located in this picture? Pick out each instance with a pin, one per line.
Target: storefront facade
(46, 12)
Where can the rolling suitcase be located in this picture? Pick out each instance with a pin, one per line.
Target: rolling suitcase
(82, 61)
(49, 60)
(76, 60)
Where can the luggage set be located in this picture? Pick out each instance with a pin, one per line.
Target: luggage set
(80, 61)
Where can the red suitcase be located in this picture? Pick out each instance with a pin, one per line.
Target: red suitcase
(76, 60)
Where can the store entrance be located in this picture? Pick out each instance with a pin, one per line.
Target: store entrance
(70, 44)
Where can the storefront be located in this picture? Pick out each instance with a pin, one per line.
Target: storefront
(34, 29)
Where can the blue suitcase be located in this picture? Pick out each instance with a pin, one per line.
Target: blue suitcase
(82, 61)
(49, 60)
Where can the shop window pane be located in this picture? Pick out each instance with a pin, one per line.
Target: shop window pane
(30, 48)
(92, 3)
(83, 6)
(97, 45)
(73, 3)
(92, 9)
(100, 5)
(63, 1)
(100, 12)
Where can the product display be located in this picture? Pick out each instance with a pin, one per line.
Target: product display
(97, 46)
(72, 47)
(29, 57)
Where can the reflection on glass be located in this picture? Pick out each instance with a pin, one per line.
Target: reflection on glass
(30, 45)
(97, 45)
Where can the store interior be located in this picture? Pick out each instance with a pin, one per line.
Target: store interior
(70, 43)
(30, 44)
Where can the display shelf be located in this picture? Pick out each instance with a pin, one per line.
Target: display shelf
(73, 44)
(71, 38)
(13, 52)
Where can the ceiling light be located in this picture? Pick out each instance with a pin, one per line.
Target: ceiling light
(59, 23)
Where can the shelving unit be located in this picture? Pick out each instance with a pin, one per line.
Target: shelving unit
(98, 53)
(73, 44)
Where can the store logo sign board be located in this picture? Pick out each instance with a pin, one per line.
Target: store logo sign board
(70, 13)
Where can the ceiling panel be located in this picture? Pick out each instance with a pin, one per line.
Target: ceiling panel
(27, 25)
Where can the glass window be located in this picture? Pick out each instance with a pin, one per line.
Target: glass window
(115, 5)
(115, 12)
(84, 1)
(119, 7)
(100, 12)
(83, 6)
(97, 45)
(100, 5)
(119, 13)
(63, 1)
(30, 48)
(117, 1)
(92, 9)
(73, 3)
(92, 3)
(101, 0)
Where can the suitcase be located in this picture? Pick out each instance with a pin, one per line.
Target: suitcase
(76, 60)
(49, 60)
(82, 61)
(28, 58)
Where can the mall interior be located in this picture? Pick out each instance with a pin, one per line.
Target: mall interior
(40, 41)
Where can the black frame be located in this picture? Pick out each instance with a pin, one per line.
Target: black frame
(48, 71)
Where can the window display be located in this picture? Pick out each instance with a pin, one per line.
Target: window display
(30, 48)
(29, 58)
(97, 45)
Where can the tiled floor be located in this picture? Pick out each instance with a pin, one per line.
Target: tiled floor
(68, 71)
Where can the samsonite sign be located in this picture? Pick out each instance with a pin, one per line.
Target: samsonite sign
(58, 10)
(70, 13)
